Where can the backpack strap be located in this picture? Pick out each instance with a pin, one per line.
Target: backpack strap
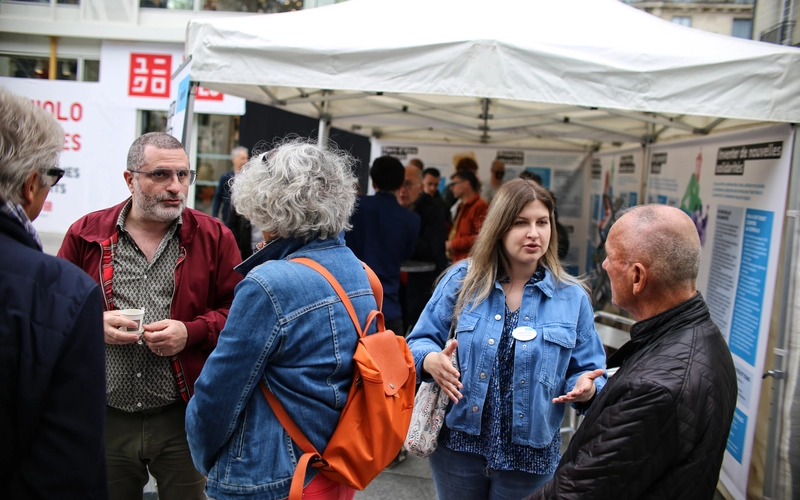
(310, 453)
(337, 287)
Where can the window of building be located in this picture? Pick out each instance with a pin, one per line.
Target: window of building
(167, 4)
(261, 6)
(683, 20)
(742, 28)
(37, 67)
(91, 71)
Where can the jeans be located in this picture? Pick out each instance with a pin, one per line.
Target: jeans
(465, 476)
(138, 442)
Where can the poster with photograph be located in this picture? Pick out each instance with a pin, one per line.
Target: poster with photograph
(615, 183)
(733, 186)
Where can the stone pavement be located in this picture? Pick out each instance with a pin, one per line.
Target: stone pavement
(409, 480)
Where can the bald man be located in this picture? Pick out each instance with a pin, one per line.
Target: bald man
(660, 426)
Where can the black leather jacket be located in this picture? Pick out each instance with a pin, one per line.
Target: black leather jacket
(660, 426)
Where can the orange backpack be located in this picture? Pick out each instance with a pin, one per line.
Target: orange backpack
(375, 419)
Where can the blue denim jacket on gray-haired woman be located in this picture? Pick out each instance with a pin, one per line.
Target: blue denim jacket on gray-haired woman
(287, 327)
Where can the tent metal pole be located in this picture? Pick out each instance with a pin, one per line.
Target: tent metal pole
(324, 124)
(652, 119)
(425, 104)
(786, 323)
(582, 123)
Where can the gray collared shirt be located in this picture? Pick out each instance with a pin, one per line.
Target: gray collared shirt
(138, 379)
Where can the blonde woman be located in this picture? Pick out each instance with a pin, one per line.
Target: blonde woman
(526, 345)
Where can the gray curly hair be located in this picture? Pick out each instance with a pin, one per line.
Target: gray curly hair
(31, 140)
(298, 190)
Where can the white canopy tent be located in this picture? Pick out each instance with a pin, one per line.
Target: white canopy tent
(566, 74)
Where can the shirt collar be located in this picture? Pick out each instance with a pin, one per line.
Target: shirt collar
(16, 212)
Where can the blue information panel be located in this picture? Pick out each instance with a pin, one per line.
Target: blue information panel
(736, 438)
(750, 288)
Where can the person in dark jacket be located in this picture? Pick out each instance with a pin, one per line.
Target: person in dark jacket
(221, 205)
(429, 248)
(384, 234)
(52, 357)
(660, 426)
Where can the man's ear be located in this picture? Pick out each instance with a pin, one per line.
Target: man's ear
(638, 278)
(30, 189)
(128, 175)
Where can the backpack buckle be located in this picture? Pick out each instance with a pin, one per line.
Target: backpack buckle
(318, 462)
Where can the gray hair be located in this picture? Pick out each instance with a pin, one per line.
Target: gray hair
(670, 251)
(30, 141)
(238, 149)
(159, 140)
(298, 190)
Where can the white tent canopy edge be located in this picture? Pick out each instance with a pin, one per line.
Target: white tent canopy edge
(574, 73)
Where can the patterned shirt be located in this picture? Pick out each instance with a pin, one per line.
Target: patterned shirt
(137, 378)
(494, 441)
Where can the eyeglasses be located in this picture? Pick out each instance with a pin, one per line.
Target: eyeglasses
(56, 172)
(498, 174)
(163, 176)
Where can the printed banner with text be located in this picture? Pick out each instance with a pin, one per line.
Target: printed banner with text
(733, 186)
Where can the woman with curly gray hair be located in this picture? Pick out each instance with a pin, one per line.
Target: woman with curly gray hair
(287, 328)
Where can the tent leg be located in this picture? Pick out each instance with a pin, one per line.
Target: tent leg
(324, 123)
(791, 241)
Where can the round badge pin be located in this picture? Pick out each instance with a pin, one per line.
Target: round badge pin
(524, 333)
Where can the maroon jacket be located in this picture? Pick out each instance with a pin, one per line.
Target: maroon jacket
(204, 278)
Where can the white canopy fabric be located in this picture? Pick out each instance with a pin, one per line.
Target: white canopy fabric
(567, 72)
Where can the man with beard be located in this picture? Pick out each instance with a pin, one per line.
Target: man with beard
(150, 252)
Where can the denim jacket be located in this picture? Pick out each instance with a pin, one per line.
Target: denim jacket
(287, 327)
(566, 345)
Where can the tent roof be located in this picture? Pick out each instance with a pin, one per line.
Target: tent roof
(569, 73)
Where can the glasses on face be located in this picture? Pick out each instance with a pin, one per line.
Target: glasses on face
(498, 174)
(163, 176)
(56, 172)
(410, 184)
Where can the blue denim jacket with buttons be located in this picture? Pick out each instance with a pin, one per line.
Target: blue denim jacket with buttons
(287, 327)
(566, 345)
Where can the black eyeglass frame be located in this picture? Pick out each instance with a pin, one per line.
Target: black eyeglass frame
(56, 172)
(149, 173)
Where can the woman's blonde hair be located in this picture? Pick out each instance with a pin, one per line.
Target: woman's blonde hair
(488, 259)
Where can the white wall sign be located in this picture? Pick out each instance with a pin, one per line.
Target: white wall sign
(96, 141)
(734, 188)
(138, 75)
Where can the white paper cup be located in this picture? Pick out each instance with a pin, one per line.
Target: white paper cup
(136, 315)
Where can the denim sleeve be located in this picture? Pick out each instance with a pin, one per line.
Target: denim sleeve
(231, 373)
(588, 353)
(431, 329)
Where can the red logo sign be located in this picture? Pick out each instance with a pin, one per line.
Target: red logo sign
(150, 75)
(208, 95)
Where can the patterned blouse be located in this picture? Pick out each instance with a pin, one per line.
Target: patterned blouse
(494, 441)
